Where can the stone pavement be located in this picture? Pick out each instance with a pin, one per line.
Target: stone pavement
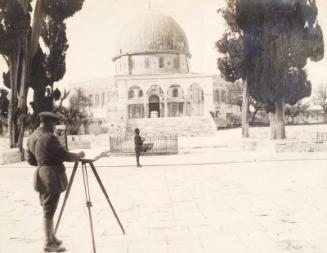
(207, 202)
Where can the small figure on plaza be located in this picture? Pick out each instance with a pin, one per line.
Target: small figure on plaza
(138, 140)
(46, 152)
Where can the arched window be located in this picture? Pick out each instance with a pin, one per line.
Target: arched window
(175, 92)
(161, 62)
(140, 93)
(131, 94)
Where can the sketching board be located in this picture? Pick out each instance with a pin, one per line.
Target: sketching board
(91, 155)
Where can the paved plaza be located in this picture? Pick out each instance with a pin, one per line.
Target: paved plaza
(208, 202)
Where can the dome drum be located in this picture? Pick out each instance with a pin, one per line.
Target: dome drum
(153, 63)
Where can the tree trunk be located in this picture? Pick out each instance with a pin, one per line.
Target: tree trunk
(277, 122)
(29, 50)
(253, 116)
(13, 68)
(245, 111)
(22, 98)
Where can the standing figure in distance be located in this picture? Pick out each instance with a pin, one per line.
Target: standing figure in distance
(138, 140)
(46, 152)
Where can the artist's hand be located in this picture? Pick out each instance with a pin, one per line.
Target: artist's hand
(81, 154)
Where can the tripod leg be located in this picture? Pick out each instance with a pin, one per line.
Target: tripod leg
(107, 197)
(66, 195)
(91, 225)
(88, 201)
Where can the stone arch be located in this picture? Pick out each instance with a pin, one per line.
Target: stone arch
(176, 101)
(140, 93)
(175, 91)
(155, 101)
(134, 91)
(155, 89)
(131, 94)
(135, 105)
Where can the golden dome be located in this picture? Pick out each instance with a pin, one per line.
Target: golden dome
(152, 32)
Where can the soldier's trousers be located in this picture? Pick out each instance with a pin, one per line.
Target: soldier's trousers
(138, 154)
(49, 203)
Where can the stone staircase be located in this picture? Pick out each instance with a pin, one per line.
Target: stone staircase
(183, 126)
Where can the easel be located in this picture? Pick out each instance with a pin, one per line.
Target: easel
(84, 162)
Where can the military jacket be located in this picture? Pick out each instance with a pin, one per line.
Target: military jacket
(46, 152)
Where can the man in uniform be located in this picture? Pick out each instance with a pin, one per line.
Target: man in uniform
(46, 152)
(138, 140)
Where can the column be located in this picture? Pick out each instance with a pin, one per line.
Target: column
(145, 109)
(184, 108)
(166, 106)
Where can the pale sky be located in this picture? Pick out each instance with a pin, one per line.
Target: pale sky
(92, 35)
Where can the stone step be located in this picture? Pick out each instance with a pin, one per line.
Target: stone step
(186, 126)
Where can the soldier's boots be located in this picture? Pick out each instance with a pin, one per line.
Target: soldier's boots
(56, 240)
(50, 245)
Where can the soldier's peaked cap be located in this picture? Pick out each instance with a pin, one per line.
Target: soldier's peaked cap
(48, 115)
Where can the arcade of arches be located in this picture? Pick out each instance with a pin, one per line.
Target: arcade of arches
(175, 102)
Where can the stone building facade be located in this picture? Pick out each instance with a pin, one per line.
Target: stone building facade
(153, 88)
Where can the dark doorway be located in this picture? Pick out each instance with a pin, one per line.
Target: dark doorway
(154, 105)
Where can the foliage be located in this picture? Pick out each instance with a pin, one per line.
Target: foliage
(255, 108)
(3, 124)
(62, 9)
(4, 106)
(320, 98)
(75, 113)
(54, 37)
(4, 103)
(14, 26)
(28, 65)
(231, 64)
(234, 97)
(56, 94)
(278, 38)
(294, 111)
(51, 67)
(234, 94)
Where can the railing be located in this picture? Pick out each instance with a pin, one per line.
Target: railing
(321, 136)
(152, 145)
